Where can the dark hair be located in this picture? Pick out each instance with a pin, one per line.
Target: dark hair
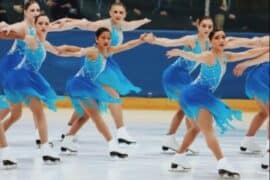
(200, 19)
(28, 3)
(211, 35)
(40, 15)
(101, 30)
(118, 4)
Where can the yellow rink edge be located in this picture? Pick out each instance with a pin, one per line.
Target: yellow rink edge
(165, 104)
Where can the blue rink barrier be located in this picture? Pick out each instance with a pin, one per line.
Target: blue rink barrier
(143, 65)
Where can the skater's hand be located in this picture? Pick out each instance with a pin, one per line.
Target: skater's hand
(239, 69)
(6, 30)
(149, 38)
(146, 20)
(173, 53)
(142, 36)
(3, 24)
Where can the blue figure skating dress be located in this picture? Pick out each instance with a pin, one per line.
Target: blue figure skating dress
(177, 75)
(24, 81)
(3, 103)
(84, 88)
(257, 83)
(14, 56)
(199, 95)
(113, 76)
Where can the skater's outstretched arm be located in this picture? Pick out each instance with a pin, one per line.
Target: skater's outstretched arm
(236, 42)
(19, 28)
(130, 44)
(183, 41)
(241, 67)
(84, 24)
(64, 50)
(205, 57)
(132, 25)
(252, 53)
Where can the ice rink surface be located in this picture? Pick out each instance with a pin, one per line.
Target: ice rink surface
(146, 161)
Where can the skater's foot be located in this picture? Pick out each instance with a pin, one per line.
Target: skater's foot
(226, 170)
(192, 152)
(115, 151)
(68, 146)
(265, 161)
(179, 163)
(48, 155)
(7, 161)
(124, 138)
(249, 145)
(169, 144)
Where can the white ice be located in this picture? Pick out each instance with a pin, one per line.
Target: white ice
(146, 161)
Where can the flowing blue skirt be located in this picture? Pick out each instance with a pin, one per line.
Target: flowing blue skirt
(83, 90)
(257, 83)
(3, 103)
(174, 78)
(113, 77)
(21, 84)
(9, 62)
(195, 97)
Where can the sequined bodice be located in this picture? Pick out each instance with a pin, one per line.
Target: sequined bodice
(19, 45)
(33, 58)
(92, 68)
(188, 65)
(211, 75)
(116, 35)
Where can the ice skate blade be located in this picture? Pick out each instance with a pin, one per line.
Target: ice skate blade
(177, 168)
(265, 167)
(116, 155)
(169, 150)
(244, 150)
(67, 151)
(8, 165)
(224, 174)
(48, 160)
(124, 141)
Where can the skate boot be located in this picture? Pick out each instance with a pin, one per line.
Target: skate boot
(179, 163)
(226, 171)
(7, 161)
(68, 146)
(249, 145)
(265, 161)
(124, 138)
(115, 151)
(48, 155)
(74, 139)
(38, 143)
(169, 143)
(192, 151)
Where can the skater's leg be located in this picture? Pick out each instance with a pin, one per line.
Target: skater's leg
(170, 142)
(176, 121)
(249, 143)
(3, 113)
(189, 137)
(117, 114)
(38, 114)
(5, 158)
(15, 114)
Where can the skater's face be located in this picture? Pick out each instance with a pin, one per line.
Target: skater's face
(31, 12)
(118, 13)
(104, 39)
(42, 24)
(205, 27)
(218, 40)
